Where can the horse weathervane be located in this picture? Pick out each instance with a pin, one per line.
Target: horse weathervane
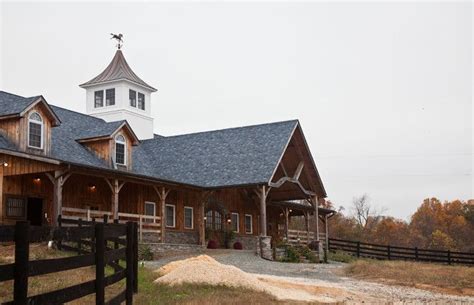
(119, 38)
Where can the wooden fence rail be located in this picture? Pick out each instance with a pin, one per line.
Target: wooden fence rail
(91, 240)
(389, 252)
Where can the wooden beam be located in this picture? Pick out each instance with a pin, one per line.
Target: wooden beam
(298, 170)
(202, 213)
(306, 221)
(283, 180)
(287, 222)
(162, 194)
(316, 216)
(263, 210)
(1, 193)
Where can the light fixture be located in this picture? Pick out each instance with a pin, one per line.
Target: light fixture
(5, 164)
(37, 179)
(91, 187)
(291, 210)
(205, 218)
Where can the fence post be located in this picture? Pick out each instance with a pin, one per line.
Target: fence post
(329, 244)
(20, 285)
(99, 264)
(358, 249)
(388, 252)
(135, 258)
(79, 244)
(93, 237)
(106, 218)
(141, 227)
(449, 257)
(416, 253)
(88, 215)
(130, 265)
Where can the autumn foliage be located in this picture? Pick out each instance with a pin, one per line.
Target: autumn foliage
(435, 225)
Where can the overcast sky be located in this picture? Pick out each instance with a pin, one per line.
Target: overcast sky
(383, 91)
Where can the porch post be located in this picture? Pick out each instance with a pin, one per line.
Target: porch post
(316, 217)
(162, 194)
(115, 198)
(326, 249)
(58, 180)
(287, 215)
(263, 212)
(1, 192)
(306, 221)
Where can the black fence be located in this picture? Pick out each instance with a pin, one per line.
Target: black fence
(98, 244)
(368, 250)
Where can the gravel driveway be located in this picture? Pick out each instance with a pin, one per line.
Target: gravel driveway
(324, 275)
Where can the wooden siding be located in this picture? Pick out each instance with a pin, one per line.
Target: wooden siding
(20, 166)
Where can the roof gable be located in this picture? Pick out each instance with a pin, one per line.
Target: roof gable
(106, 131)
(118, 69)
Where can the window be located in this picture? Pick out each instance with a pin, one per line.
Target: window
(110, 97)
(209, 219)
(16, 207)
(120, 150)
(188, 218)
(132, 95)
(150, 210)
(248, 224)
(217, 220)
(234, 218)
(141, 101)
(170, 215)
(98, 99)
(35, 131)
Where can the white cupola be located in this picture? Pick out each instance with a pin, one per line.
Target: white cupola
(119, 94)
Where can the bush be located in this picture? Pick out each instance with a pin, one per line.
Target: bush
(308, 254)
(238, 245)
(212, 244)
(340, 256)
(145, 253)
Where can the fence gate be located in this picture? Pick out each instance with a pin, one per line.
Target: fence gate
(96, 244)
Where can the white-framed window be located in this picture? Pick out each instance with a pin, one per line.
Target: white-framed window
(209, 219)
(150, 210)
(188, 218)
(248, 224)
(170, 215)
(120, 150)
(99, 99)
(234, 221)
(35, 130)
(141, 101)
(110, 97)
(132, 96)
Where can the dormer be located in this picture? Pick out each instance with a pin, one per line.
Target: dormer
(27, 122)
(112, 143)
(119, 94)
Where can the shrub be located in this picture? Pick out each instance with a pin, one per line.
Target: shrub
(212, 244)
(340, 256)
(308, 254)
(145, 253)
(238, 245)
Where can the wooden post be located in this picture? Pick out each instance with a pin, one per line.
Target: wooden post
(263, 211)
(116, 246)
(1, 192)
(79, 244)
(99, 264)
(135, 258)
(358, 249)
(449, 257)
(141, 227)
(60, 223)
(326, 231)
(20, 284)
(388, 253)
(316, 214)
(129, 260)
(416, 253)
(162, 194)
(287, 222)
(202, 224)
(59, 179)
(115, 198)
(306, 221)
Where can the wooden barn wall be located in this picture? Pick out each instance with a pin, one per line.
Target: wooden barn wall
(20, 166)
(101, 148)
(83, 192)
(28, 186)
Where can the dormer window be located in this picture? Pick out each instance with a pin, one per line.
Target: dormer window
(132, 95)
(35, 131)
(120, 150)
(141, 101)
(110, 97)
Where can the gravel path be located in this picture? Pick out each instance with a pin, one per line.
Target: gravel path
(324, 275)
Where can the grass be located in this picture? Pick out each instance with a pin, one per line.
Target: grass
(149, 293)
(457, 280)
(340, 256)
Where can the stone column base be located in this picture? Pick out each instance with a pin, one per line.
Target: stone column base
(266, 247)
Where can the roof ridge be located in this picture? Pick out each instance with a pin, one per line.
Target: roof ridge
(9, 93)
(80, 113)
(224, 129)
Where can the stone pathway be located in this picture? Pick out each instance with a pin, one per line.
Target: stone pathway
(324, 275)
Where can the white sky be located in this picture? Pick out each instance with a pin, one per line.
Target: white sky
(383, 90)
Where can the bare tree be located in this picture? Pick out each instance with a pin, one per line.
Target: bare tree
(362, 209)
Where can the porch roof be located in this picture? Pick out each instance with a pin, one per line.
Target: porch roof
(303, 206)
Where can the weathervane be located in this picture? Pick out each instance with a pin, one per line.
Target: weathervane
(119, 39)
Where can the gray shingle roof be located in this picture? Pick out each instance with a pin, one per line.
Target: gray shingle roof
(11, 104)
(117, 69)
(229, 157)
(235, 156)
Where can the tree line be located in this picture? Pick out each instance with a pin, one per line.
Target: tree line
(434, 225)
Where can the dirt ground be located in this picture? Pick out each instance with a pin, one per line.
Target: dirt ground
(326, 283)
